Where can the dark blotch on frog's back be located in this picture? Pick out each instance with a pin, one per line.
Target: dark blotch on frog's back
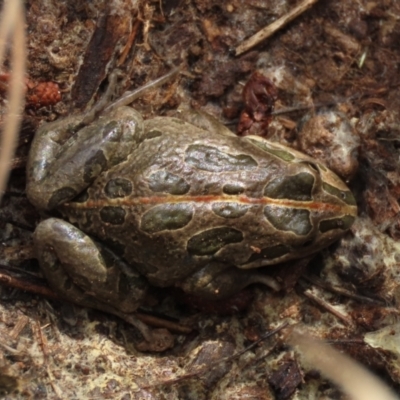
(152, 134)
(294, 187)
(166, 182)
(233, 188)
(118, 187)
(229, 209)
(211, 159)
(342, 223)
(212, 240)
(94, 166)
(289, 219)
(61, 196)
(113, 215)
(82, 197)
(169, 217)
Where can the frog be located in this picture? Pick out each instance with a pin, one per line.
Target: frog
(173, 201)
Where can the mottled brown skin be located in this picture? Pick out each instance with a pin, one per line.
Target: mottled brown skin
(177, 204)
(172, 198)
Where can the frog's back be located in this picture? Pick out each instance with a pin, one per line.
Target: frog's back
(186, 197)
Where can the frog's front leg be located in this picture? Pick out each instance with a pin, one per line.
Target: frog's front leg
(65, 157)
(218, 281)
(86, 273)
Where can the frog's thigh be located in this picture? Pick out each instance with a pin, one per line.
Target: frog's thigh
(218, 281)
(83, 271)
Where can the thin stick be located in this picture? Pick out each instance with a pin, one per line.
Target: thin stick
(275, 26)
(129, 97)
(38, 286)
(339, 290)
(324, 304)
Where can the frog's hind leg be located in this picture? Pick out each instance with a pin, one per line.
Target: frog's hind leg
(218, 281)
(86, 273)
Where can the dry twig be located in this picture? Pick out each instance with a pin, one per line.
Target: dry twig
(275, 26)
(328, 307)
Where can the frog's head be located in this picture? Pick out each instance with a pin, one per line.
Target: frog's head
(309, 206)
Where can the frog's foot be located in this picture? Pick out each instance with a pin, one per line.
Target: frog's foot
(83, 271)
(219, 281)
(155, 340)
(158, 341)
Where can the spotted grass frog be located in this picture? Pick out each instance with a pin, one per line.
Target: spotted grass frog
(173, 203)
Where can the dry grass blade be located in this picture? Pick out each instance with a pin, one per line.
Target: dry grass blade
(352, 377)
(12, 26)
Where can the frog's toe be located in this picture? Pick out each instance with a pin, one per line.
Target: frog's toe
(158, 341)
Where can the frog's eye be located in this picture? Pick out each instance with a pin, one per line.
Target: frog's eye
(344, 195)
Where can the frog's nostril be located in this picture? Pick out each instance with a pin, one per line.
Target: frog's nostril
(313, 166)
